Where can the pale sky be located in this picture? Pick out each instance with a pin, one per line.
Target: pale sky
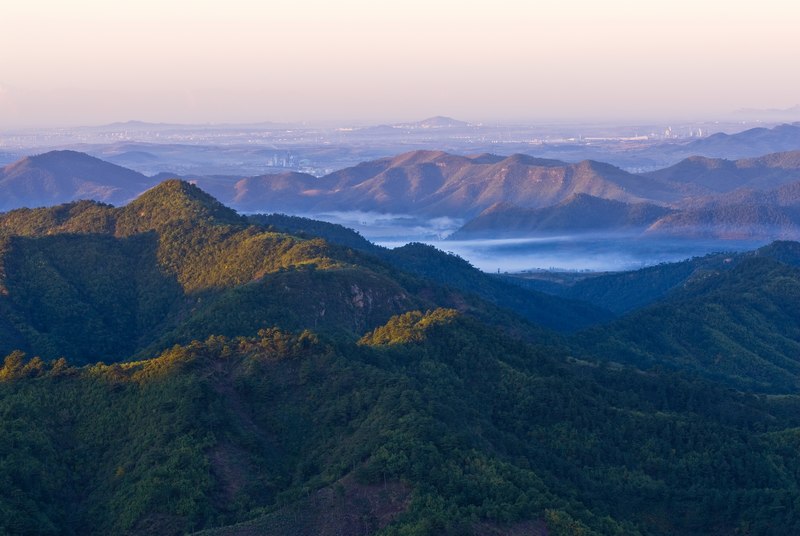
(84, 62)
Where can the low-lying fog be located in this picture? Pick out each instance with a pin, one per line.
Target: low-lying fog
(581, 252)
(596, 252)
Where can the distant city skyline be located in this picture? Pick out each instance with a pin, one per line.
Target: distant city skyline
(90, 62)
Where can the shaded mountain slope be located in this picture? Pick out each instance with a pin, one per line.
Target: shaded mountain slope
(721, 176)
(560, 314)
(738, 326)
(734, 221)
(623, 292)
(579, 213)
(786, 195)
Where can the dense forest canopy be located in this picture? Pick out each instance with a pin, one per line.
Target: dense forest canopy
(172, 367)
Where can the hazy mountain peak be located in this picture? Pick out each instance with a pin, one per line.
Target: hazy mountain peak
(441, 121)
(63, 161)
(63, 176)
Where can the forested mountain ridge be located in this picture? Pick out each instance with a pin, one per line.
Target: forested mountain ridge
(173, 258)
(175, 265)
(720, 175)
(279, 376)
(432, 264)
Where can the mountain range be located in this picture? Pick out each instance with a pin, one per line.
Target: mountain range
(508, 196)
(749, 143)
(742, 199)
(434, 183)
(716, 175)
(230, 375)
(165, 287)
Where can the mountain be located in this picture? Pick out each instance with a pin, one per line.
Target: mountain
(451, 271)
(439, 121)
(623, 292)
(224, 377)
(721, 176)
(287, 190)
(437, 183)
(178, 265)
(579, 213)
(737, 325)
(787, 195)
(90, 281)
(509, 196)
(743, 205)
(730, 222)
(63, 176)
(747, 144)
(429, 424)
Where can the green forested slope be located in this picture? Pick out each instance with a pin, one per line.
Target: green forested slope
(482, 431)
(92, 282)
(310, 393)
(740, 326)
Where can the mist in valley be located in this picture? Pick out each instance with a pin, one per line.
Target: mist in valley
(595, 252)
